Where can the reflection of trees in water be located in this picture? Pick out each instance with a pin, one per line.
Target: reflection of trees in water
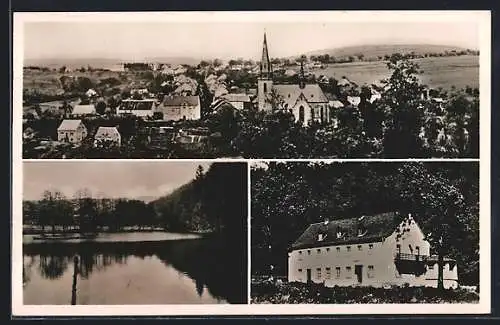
(54, 259)
(206, 261)
(27, 267)
(199, 287)
(52, 267)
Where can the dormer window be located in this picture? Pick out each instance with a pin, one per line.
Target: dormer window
(339, 233)
(361, 231)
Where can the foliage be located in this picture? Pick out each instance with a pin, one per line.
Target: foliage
(300, 293)
(287, 197)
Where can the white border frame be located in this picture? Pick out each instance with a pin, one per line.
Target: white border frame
(483, 18)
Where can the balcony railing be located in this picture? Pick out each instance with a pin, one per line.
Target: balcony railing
(410, 257)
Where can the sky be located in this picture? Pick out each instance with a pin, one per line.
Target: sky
(112, 179)
(224, 40)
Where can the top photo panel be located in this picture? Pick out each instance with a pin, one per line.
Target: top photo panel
(248, 85)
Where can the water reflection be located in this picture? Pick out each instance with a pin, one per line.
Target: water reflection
(214, 275)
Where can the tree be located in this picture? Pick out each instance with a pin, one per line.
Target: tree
(100, 107)
(199, 172)
(402, 104)
(438, 205)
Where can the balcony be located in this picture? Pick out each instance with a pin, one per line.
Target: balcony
(410, 263)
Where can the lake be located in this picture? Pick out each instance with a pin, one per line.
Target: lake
(132, 268)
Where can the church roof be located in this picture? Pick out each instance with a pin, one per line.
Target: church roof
(290, 93)
(375, 228)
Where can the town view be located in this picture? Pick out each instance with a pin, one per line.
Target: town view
(379, 101)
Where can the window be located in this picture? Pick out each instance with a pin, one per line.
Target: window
(411, 249)
(431, 267)
(348, 271)
(328, 273)
(370, 271)
(308, 252)
(398, 248)
(318, 251)
(300, 252)
(320, 237)
(312, 113)
(370, 246)
(418, 250)
(301, 113)
(327, 249)
(348, 248)
(265, 87)
(318, 273)
(337, 272)
(360, 247)
(300, 270)
(288, 95)
(338, 249)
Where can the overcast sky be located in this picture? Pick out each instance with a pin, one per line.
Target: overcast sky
(133, 179)
(134, 40)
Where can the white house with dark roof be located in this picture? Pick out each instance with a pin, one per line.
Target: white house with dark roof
(82, 110)
(174, 108)
(379, 250)
(72, 131)
(137, 107)
(107, 134)
(239, 101)
(306, 102)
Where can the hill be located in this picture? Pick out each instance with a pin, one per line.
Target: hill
(444, 72)
(385, 49)
(103, 63)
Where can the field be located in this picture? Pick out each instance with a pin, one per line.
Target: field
(445, 72)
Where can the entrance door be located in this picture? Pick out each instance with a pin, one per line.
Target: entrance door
(308, 275)
(358, 270)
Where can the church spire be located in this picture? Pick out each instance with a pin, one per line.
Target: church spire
(302, 78)
(265, 63)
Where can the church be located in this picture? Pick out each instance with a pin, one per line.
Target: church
(306, 102)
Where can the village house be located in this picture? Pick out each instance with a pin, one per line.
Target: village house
(306, 102)
(137, 107)
(107, 134)
(379, 250)
(175, 108)
(238, 101)
(71, 131)
(82, 110)
(91, 93)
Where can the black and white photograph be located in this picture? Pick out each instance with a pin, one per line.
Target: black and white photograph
(351, 233)
(243, 88)
(236, 163)
(125, 233)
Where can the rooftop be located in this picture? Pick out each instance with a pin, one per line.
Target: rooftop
(345, 231)
(69, 125)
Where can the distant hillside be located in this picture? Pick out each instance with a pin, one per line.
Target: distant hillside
(103, 63)
(385, 49)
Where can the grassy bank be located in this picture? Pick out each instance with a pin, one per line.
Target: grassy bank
(301, 293)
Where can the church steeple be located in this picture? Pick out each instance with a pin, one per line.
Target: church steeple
(302, 78)
(265, 63)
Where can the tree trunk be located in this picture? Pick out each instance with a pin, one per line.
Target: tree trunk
(440, 271)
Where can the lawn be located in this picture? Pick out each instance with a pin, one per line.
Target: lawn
(445, 72)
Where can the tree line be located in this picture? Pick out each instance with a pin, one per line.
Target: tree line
(214, 201)
(442, 197)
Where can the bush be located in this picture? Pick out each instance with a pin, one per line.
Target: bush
(299, 293)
